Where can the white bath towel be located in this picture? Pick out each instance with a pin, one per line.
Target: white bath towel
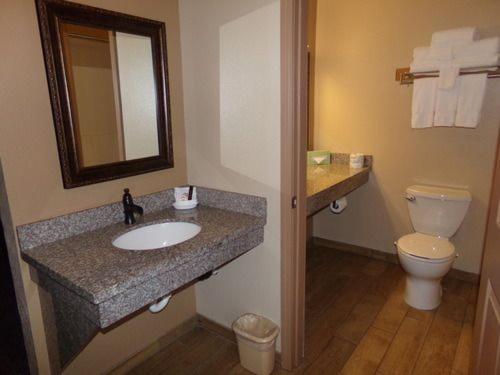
(484, 47)
(478, 62)
(470, 99)
(454, 37)
(446, 105)
(452, 99)
(469, 62)
(433, 53)
(423, 104)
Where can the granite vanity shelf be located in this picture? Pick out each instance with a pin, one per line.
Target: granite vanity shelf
(326, 183)
(94, 285)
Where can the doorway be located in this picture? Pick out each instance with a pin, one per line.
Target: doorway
(359, 273)
(13, 358)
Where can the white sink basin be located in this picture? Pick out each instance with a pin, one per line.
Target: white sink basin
(156, 236)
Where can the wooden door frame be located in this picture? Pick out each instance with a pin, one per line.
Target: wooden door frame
(293, 178)
(486, 293)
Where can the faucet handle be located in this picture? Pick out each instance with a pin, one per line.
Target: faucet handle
(127, 197)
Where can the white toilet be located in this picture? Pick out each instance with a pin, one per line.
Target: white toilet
(427, 255)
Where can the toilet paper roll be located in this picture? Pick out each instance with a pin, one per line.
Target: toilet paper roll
(356, 160)
(339, 205)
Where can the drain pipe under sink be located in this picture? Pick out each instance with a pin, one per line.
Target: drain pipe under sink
(160, 304)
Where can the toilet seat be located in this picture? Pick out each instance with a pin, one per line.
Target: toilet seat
(426, 247)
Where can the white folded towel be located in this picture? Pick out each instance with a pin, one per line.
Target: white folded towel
(454, 37)
(470, 99)
(469, 62)
(422, 66)
(433, 53)
(451, 99)
(424, 101)
(484, 47)
(480, 62)
(446, 106)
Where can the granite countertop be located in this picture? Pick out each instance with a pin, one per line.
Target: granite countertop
(90, 266)
(326, 183)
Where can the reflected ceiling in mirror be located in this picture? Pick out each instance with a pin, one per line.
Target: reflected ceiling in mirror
(108, 79)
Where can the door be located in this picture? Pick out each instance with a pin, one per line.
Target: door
(13, 358)
(293, 179)
(486, 348)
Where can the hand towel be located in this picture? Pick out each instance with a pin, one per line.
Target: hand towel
(484, 47)
(423, 103)
(446, 106)
(454, 37)
(470, 99)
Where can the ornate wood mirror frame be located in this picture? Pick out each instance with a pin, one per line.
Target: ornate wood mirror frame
(51, 13)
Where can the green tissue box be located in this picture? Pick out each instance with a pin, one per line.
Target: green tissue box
(318, 157)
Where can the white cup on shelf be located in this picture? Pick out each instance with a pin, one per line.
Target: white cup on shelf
(182, 201)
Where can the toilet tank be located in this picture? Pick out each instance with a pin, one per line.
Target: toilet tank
(437, 211)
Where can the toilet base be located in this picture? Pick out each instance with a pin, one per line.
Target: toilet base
(423, 294)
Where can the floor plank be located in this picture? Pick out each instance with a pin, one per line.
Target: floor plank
(394, 310)
(201, 346)
(368, 354)
(388, 280)
(374, 267)
(438, 352)
(167, 354)
(461, 362)
(360, 318)
(320, 332)
(403, 351)
(333, 358)
(223, 360)
(462, 356)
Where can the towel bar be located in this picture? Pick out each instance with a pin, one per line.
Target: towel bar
(404, 76)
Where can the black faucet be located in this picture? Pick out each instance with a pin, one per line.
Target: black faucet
(129, 208)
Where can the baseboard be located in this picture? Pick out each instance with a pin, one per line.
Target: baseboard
(355, 249)
(386, 257)
(464, 276)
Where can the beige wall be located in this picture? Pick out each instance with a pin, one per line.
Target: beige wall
(231, 66)
(93, 93)
(31, 165)
(360, 108)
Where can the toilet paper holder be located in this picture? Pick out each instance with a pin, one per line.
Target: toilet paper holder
(338, 205)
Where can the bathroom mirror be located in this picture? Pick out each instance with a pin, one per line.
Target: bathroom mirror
(108, 81)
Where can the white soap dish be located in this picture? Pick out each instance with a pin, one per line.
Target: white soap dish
(185, 205)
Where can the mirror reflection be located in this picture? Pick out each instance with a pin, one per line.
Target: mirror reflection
(111, 84)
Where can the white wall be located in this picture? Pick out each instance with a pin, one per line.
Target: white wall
(231, 73)
(138, 95)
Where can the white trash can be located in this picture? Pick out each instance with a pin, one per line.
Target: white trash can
(256, 337)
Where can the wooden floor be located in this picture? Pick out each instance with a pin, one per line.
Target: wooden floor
(356, 323)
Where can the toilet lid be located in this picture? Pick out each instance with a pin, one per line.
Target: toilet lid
(425, 246)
